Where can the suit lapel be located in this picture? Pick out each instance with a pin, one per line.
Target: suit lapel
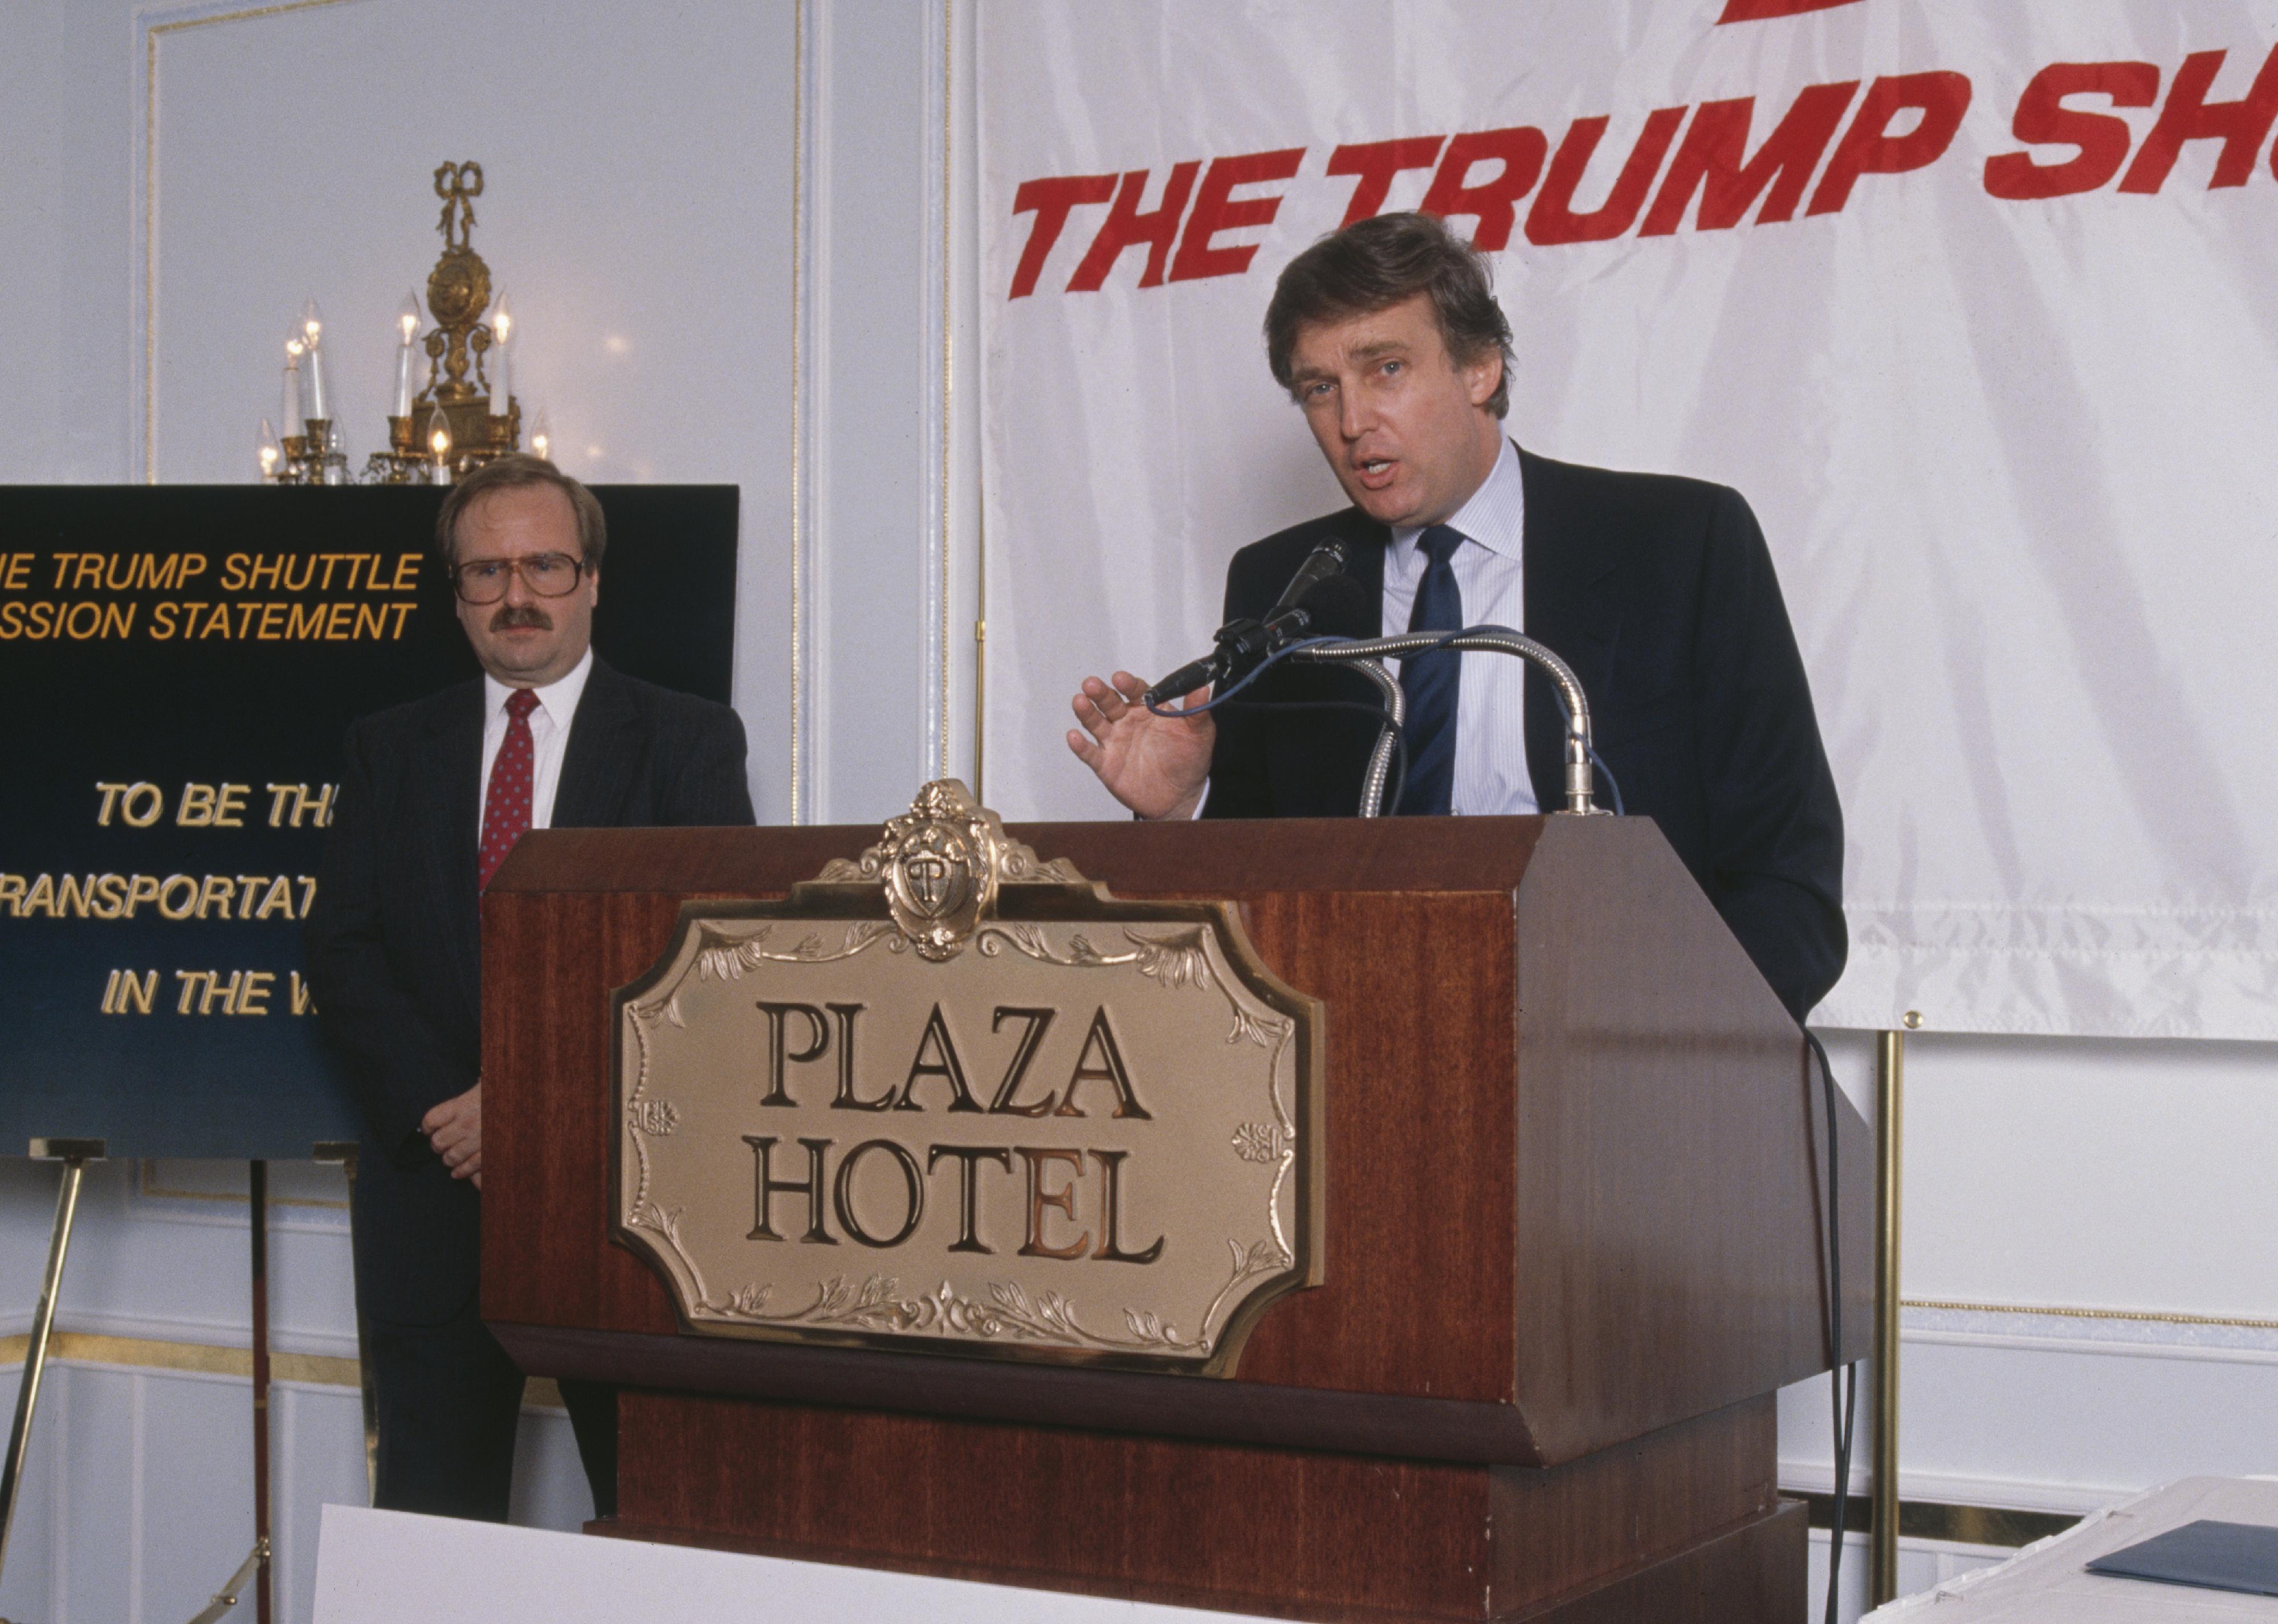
(452, 804)
(1569, 609)
(603, 756)
(1368, 540)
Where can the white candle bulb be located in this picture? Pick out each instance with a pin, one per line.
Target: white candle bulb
(407, 322)
(291, 408)
(501, 364)
(439, 441)
(312, 332)
(270, 452)
(541, 437)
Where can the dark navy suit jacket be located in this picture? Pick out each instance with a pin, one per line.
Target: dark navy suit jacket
(393, 941)
(1659, 591)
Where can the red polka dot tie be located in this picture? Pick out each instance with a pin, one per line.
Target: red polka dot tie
(506, 809)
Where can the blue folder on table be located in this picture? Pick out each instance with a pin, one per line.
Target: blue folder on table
(2210, 1555)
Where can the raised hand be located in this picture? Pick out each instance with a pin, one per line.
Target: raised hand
(1157, 766)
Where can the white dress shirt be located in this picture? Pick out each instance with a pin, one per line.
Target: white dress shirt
(1490, 699)
(549, 736)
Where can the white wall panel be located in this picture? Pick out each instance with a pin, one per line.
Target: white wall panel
(638, 168)
(2117, 1180)
(178, 1267)
(2122, 1175)
(319, 1462)
(872, 320)
(30, 1585)
(190, 1529)
(138, 1502)
(67, 285)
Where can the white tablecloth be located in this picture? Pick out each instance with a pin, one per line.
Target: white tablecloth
(387, 1566)
(2046, 1583)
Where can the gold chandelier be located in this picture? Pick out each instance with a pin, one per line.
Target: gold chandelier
(466, 413)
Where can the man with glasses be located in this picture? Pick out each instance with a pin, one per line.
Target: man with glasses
(434, 796)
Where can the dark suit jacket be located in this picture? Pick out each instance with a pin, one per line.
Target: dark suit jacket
(1660, 593)
(393, 941)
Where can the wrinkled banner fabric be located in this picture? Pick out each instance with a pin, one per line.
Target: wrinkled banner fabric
(1977, 304)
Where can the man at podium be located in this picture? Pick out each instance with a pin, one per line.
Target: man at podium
(435, 794)
(1658, 590)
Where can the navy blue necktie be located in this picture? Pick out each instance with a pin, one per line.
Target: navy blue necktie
(1430, 680)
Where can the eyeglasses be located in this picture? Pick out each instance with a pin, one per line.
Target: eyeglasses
(549, 575)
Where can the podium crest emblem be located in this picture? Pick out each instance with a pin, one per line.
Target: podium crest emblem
(940, 864)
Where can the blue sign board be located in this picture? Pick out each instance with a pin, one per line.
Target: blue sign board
(178, 665)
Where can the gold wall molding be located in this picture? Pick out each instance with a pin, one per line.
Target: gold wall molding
(1921, 1520)
(2142, 1316)
(146, 1183)
(209, 1359)
(153, 33)
(195, 1358)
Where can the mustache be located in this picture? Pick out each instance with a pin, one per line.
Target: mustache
(521, 615)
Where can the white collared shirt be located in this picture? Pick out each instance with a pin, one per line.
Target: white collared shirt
(549, 736)
(1490, 699)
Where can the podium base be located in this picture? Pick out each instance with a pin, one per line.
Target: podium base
(1680, 1526)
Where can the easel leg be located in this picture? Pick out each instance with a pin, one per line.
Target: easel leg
(259, 1187)
(75, 1154)
(344, 1152)
(1890, 1079)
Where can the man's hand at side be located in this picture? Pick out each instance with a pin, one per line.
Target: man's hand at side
(1157, 766)
(454, 1128)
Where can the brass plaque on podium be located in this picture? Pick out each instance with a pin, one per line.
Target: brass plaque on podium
(953, 1096)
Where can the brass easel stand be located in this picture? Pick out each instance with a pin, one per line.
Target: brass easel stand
(226, 1596)
(259, 1190)
(1890, 1080)
(255, 1570)
(75, 1154)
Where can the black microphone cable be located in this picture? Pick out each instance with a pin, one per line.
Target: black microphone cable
(1842, 1379)
(1251, 676)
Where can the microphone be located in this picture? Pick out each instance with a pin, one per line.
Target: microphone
(1323, 562)
(1186, 679)
(1238, 639)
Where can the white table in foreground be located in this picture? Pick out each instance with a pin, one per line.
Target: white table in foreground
(384, 1566)
(2046, 1583)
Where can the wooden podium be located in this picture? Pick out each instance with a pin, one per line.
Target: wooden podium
(1576, 1224)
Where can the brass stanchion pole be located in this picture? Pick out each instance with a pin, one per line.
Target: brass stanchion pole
(344, 1152)
(1890, 1079)
(75, 1154)
(259, 1190)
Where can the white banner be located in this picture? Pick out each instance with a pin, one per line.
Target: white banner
(1977, 304)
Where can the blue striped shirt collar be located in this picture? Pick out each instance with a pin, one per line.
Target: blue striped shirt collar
(1496, 516)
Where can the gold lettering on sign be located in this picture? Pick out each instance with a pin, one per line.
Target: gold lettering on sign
(951, 1096)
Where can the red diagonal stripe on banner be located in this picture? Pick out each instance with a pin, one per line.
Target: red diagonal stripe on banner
(1757, 10)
